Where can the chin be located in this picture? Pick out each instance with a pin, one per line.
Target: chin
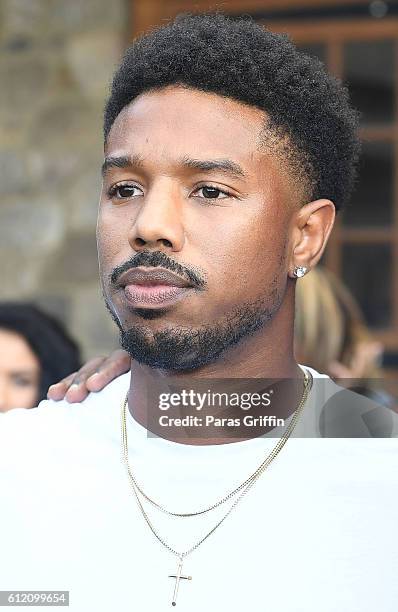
(150, 313)
(158, 352)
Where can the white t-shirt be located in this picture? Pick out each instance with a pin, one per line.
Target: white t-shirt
(318, 532)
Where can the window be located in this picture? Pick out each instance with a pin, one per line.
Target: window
(363, 250)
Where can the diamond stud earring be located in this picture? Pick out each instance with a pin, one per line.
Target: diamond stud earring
(300, 271)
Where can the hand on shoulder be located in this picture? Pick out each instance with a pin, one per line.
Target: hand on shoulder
(93, 376)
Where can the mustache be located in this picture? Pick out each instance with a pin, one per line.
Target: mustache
(155, 259)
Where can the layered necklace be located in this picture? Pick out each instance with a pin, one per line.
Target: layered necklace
(238, 493)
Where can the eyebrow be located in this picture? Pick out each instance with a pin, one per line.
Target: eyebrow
(203, 165)
(124, 161)
(206, 165)
(23, 372)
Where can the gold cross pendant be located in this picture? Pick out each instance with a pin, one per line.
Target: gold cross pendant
(178, 576)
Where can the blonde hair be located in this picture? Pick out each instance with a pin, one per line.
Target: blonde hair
(329, 324)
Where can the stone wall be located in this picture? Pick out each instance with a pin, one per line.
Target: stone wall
(57, 58)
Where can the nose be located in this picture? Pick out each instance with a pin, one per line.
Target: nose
(159, 224)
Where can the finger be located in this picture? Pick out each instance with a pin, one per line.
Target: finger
(115, 365)
(75, 381)
(57, 391)
(88, 369)
(78, 391)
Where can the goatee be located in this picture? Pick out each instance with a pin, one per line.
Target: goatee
(182, 348)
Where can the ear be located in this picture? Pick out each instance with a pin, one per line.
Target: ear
(311, 229)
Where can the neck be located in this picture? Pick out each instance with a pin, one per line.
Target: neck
(266, 355)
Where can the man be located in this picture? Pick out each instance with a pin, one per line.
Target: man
(227, 153)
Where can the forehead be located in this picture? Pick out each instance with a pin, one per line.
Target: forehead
(15, 351)
(181, 121)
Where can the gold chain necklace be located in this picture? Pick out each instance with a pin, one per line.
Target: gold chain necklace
(261, 467)
(242, 489)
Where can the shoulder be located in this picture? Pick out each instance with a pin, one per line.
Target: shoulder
(350, 414)
(51, 423)
(343, 413)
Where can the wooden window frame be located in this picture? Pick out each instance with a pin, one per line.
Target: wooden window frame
(334, 34)
(146, 14)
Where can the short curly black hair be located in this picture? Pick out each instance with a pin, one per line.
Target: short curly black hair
(239, 59)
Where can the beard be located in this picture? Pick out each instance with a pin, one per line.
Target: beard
(187, 348)
(183, 348)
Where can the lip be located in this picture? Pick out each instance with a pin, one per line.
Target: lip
(151, 277)
(159, 296)
(153, 287)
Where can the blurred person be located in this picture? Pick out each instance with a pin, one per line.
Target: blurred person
(331, 336)
(35, 350)
(218, 196)
(330, 331)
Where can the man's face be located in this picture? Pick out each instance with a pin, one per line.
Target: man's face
(189, 189)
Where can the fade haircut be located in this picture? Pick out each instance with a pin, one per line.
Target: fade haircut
(309, 118)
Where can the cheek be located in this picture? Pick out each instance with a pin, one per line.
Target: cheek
(111, 239)
(249, 253)
(24, 397)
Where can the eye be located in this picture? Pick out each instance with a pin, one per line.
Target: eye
(212, 193)
(124, 191)
(22, 381)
